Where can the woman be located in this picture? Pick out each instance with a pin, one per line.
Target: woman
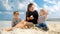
(31, 18)
(31, 14)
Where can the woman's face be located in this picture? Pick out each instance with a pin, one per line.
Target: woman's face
(31, 8)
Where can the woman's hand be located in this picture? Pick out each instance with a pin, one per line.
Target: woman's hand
(31, 18)
(28, 18)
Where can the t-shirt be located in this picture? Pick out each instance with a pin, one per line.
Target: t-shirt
(41, 19)
(34, 14)
(15, 22)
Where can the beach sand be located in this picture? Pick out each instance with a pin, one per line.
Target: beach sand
(54, 28)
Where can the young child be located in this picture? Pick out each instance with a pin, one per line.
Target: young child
(16, 18)
(41, 20)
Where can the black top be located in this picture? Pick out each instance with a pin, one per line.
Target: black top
(35, 15)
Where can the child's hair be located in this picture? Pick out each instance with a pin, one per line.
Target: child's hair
(42, 10)
(15, 12)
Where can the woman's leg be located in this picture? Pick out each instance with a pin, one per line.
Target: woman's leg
(24, 23)
(21, 24)
(29, 24)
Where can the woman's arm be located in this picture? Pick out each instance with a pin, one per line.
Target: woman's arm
(36, 14)
(27, 16)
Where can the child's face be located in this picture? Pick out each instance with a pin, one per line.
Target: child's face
(42, 12)
(16, 15)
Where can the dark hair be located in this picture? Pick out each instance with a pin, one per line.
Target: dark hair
(29, 5)
(15, 12)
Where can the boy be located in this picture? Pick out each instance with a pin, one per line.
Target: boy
(41, 20)
(16, 18)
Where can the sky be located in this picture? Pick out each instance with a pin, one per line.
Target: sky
(7, 7)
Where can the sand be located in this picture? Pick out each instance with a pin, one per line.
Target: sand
(54, 28)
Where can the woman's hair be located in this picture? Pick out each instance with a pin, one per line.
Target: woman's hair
(29, 5)
(15, 12)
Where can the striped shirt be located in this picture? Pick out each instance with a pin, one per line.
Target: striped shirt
(41, 19)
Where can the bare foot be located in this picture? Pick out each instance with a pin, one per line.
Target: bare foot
(8, 29)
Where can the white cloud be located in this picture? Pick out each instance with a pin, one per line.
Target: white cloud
(5, 3)
(18, 5)
(21, 12)
(54, 11)
(23, 5)
(8, 12)
(27, 1)
(50, 1)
